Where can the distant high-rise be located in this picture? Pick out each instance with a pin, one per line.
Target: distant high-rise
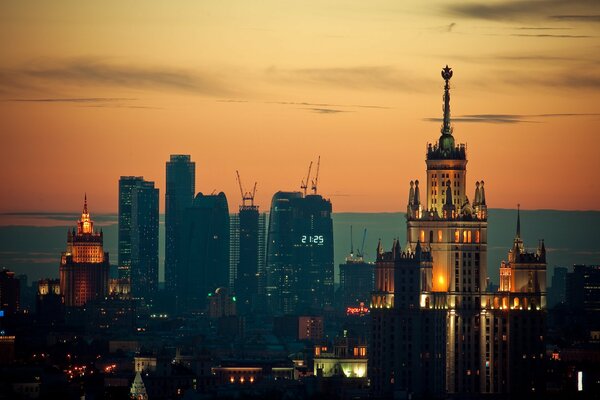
(84, 265)
(126, 185)
(144, 239)
(356, 281)
(179, 194)
(9, 292)
(247, 255)
(204, 241)
(299, 253)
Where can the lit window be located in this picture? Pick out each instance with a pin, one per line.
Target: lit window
(422, 236)
(440, 235)
(456, 236)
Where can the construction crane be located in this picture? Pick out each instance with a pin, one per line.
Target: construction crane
(351, 243)
(304, 184)
(316, 180)
(362, 248)
(246, 196)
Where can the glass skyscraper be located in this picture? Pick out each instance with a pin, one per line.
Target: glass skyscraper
(138, 234)
(299, 253)
(181, 186)
(204, 243)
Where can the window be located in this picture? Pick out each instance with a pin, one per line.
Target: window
(439, 235)
(430, 236)
(456, 236)
(422, 236)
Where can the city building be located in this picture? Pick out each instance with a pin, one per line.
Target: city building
(221, 304)
(356, 281)
(247, 261)
(49, 302)
(204, 240)
(9, 292)
(299, 253)
(445, 314)
(126, 186)
(179, 195)
(84, 266)
(583, 288)
(558, 287)
(347, 356)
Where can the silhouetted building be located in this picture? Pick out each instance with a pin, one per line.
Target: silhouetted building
(583, 295)
(247, 255)
(221, 304)
(356, 281)
(205, 251)
(126, 186)
(408, 335)
(347, 357)
(49, 304)
(179, 195)
(84, 266)
(144, 239)
(557, 291)
(299, 253)
(9, 292)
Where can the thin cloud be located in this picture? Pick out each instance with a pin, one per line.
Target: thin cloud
(542, 35)
(75, 100)
(519, 10)
(508, 118)
(576, 18)
(450, 27)
(326, 110)
(95, 72)
(357, 78)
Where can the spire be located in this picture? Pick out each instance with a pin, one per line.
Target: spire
(85, 209)
(477, 200)
(518, 221)
(417, 199)
(379, 250)
(482, 194)
(411, 193)
(446, 74)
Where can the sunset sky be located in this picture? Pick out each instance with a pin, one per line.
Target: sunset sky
(90, 91)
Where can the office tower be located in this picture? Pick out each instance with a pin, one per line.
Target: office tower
(9, 292)
(205, 251)
(84, 265)
(557, 291)
(493, 340)
(179, 194)
(247, 255)
(583, 288)
(299, 253)
(126, 185)
(144, 239)
(356, 281)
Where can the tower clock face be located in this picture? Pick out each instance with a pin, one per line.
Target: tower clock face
(312, 239)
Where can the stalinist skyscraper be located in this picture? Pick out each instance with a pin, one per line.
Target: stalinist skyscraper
(431, 306)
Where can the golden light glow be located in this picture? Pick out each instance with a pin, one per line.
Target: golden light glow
(272, 70)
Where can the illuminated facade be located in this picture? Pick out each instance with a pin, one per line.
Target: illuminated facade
(489, 342)
(347, 357)
(84, 265)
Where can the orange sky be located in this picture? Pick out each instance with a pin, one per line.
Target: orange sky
(89, 92)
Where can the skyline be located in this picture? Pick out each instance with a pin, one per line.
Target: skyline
(90, 94)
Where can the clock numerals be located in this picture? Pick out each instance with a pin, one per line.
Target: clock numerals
(316, 239)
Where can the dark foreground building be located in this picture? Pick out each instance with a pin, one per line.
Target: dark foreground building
(299, 253)
(204, 265)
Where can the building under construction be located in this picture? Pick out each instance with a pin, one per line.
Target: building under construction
(300, 251)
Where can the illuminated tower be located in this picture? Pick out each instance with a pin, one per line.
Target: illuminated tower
(455, 231)
(84, 265)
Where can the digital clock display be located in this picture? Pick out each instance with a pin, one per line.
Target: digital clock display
(316, 239)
